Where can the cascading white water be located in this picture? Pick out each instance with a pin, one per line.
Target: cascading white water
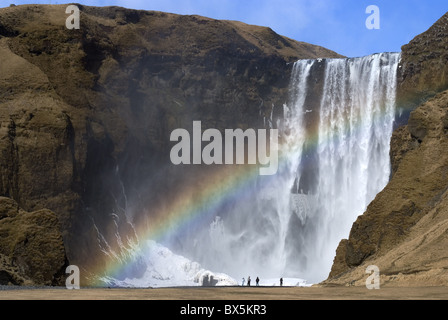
(336, 136)
(336, 129)
(356, 115)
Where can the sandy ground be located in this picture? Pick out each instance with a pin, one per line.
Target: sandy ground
(231, 293)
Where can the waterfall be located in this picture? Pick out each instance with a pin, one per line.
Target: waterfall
(335, 134)
(347, 155)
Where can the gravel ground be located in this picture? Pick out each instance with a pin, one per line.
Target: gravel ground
(14, 288)
(226, 293)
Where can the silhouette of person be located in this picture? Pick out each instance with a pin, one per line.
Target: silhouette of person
(281, 282)
(257, 281)
(248, 281)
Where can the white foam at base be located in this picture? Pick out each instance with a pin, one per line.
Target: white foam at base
(166, 269)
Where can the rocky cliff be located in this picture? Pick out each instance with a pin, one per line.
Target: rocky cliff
(424, 72)
(86, 114)
(405, 229)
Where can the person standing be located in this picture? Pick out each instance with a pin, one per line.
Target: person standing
(248, 281)
(281, 282)
(243, 282)
(257, 281)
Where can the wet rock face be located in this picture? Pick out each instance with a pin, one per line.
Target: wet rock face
(86, 115)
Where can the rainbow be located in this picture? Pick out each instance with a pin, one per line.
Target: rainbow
(226, 184)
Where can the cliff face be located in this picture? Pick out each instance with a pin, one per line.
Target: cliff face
(405, 229)
(424, 69)
(86, 115)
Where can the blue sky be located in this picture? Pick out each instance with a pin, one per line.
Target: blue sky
(338, 25)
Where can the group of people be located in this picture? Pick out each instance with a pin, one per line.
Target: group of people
(257, 281)
(248, 281)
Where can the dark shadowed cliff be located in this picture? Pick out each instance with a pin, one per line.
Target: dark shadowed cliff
(86, 115)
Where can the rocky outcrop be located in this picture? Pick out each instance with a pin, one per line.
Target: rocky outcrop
(31, 248)
(86, 115)
(405, 229)
(424, 66)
